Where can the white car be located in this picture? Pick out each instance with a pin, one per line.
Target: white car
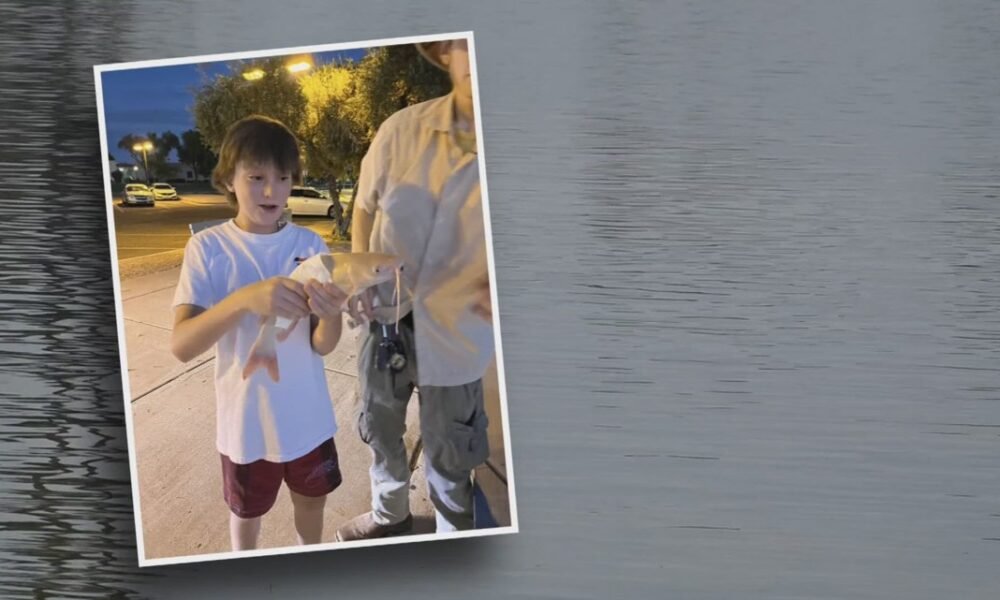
(164, 191)
(137, 194)
(310, 201)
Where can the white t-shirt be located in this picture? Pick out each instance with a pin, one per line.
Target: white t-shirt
(424, 192)
(257, 418)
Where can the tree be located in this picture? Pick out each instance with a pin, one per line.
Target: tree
(348, 103)
(393, 77)
(194, 153)
(229, 98)
(332, 137)
(163, 144)
(126, 144)
(387, 80)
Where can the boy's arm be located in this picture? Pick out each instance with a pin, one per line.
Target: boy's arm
(325, 301)
(197, 329)
(325, 334)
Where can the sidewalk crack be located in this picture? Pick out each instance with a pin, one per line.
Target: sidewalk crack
(172, 379)
(161, 327)
(124, 300)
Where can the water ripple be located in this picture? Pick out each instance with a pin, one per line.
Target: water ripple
(65, 507)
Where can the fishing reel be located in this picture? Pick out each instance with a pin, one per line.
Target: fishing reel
(389, 354)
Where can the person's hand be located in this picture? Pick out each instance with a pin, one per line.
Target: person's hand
(482, 304)
(277, 296)
(359, 307)
(325, 300)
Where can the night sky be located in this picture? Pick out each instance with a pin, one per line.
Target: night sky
(158, 99)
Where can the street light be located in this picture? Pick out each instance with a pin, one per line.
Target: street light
(297, 66)
(144, 147)
(253, 75)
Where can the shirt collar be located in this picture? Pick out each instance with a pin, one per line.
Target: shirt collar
(442, 118)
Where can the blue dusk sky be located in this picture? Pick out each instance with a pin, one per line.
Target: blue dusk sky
(158, 99)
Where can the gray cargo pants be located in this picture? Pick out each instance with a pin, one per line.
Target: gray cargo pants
(452, 425)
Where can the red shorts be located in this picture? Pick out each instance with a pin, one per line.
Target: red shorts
(251, 489)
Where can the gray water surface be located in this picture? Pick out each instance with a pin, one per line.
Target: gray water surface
(747, 263)
(65, 502)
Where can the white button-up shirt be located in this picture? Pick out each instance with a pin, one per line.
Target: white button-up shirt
(424, 191)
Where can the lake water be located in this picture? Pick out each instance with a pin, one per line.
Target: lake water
(747, 266)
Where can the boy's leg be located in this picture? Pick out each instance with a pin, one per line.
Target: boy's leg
(453, 425)
(308, 517)
(310, 478)
(250, 491)
(243, 533)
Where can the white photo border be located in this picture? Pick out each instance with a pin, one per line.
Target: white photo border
(99, 70)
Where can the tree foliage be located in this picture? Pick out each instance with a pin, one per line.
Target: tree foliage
(126, 144)
(391, 78)
(163, 145)
(230, 98)
(194, 153)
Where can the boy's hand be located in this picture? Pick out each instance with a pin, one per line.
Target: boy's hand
(277, 296)
(325, 300)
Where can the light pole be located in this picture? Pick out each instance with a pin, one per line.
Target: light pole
(145, 147)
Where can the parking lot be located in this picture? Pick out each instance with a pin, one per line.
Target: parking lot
(145, 231)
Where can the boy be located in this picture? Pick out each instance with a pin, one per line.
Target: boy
(234, 275)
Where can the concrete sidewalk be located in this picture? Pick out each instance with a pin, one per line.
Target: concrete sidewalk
(173, 408)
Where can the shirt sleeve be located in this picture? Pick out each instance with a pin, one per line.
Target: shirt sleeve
(311, 244)
(316, 245)
(195, 283)
(321, 247)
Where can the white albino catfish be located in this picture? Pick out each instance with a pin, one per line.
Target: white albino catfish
(351, 272)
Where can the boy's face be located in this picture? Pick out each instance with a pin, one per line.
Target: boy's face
(261, 192)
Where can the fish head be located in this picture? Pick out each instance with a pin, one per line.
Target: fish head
(362, 270)
(379, 268)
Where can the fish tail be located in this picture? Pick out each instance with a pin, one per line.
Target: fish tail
(263, 353)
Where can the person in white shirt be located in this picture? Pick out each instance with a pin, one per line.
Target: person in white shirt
(233, 276)
(419, 198)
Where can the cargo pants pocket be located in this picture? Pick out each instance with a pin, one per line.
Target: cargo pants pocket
(468, 445)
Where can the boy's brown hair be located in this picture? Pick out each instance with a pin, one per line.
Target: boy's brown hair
(256, 140)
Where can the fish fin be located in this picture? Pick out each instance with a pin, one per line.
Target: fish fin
(328, 262)
(272, 369)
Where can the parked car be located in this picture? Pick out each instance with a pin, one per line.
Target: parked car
(164, 191)
(137, 194)
(310, 201)
(319, 184)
